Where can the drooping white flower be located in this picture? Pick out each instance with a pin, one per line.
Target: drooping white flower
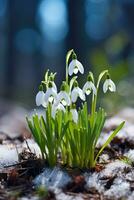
(50, 94)
(74, 114)
(109, 85)
(74, 67)
(88, 87)
(40, 99)
(63, 98)
(77, 92)
(56, 107)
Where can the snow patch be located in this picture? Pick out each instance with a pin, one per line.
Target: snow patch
(52, 178)
(119, 189)
(104, 158)
(130, 155)
(93, 181)
(62, 196)
(114, 168)
(33, 147)
(102, 139)
(8, 155)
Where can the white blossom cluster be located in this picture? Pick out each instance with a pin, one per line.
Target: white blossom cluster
(60, 100)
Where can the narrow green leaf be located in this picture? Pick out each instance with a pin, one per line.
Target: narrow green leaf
(46, 75)
(31, 127)
(64, 130)
(110, 139)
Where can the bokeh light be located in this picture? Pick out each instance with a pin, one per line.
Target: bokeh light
(53, 19)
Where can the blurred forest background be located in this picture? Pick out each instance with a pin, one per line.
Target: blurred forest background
(36, 34)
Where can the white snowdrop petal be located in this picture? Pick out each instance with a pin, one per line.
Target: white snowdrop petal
(47, 95)
(61, 107)
(55, 108)
(80, 67)
(75, 66)
(50, 93)
(74, 95)
(54, 93)
(71, 67)
(75, 70)
(64, 98)
(44, 104)
(40, 98)
(105, 86)
(54, 86)
(81, 94)
(67, 98)
(74, 115)
(92, 86)
(109, 85)
(112, 86)
(86, 87)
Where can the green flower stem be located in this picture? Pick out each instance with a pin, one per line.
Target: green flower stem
(93, 106)
(67, 61)
(67, 73)
(94, 97)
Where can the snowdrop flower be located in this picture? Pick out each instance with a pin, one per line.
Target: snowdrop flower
(56, 107)
(50, 94)
(75, 66)
(74, 114)
(77, 92)
(109, 85)
(40, 97)
(88, 87)
(64, 98)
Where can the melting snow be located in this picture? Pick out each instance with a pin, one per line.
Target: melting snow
(104, 158)
(114, 168)
(119, 189)
(8, 155)
(93, 181)
(33, 146)
(53, 178)
(62, 196)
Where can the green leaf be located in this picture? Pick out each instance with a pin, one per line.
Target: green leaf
(110, 139)
(100, 120)
(46, 75)
(30, 125)
(64, 130)
(100, 77)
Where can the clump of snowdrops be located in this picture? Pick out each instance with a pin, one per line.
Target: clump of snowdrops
(65, 129)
